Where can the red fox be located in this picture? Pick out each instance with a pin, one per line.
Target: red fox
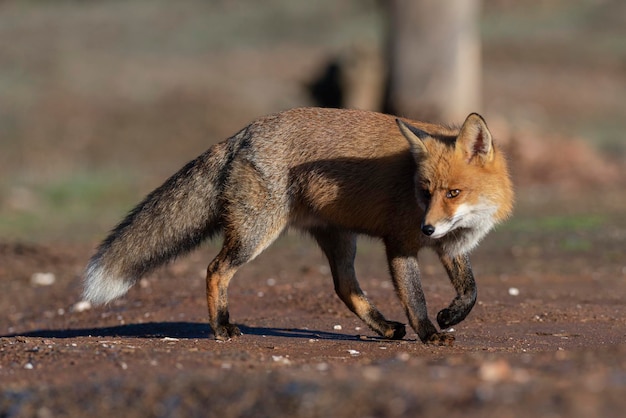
(334, 174)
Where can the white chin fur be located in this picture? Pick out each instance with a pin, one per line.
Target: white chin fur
(476, 221)
(464, 242)
(101, 287)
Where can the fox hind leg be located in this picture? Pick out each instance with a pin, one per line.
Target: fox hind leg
(241, 245)
(340, 249)
(219, 273)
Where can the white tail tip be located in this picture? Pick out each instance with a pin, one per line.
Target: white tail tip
(102, 287)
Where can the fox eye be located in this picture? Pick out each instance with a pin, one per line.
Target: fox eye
(451, 194)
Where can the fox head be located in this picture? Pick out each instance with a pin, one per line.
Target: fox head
(462, 180)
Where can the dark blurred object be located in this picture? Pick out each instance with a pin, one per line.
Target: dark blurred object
(353, 79)
(326, 89)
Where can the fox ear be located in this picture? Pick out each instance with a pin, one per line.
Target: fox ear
(415, 137)
(474, 140)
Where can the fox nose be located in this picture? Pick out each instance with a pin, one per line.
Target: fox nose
(428, 229)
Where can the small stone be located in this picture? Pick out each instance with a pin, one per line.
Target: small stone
(322, 367)
(43, 279)
(403, 356)
(495, 371)
(170, 339)
(513, 291)
(81, 306)
(281, 360)
(372, 373)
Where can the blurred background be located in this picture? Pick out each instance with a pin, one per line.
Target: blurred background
(100, 101)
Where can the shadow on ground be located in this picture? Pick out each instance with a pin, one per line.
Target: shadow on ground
(181, 330)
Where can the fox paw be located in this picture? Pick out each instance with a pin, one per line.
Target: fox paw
(446, 318)
(226, 332)
(396, 330)
(390, 330)
(441, 339)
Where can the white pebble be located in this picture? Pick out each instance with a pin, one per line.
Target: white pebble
(372, 373)
(81, 306)
(337, 327)
(28, 366)
(170, 339)
(322, 367)
(281, 360)
(42, 279)
(513, 291)
(403, 356)
(495, 371)
(354, 352)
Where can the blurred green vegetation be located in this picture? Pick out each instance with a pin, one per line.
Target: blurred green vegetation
(553, 223)
(80, 207)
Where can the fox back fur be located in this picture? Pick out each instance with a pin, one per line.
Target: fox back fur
(335, 174)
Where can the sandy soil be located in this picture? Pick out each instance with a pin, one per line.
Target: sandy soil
(547, 337)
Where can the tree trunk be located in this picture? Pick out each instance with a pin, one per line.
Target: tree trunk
(434, 59)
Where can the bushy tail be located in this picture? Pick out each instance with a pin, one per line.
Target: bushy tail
(172, 220)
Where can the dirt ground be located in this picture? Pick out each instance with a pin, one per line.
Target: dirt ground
(546, 338)
(102, 100)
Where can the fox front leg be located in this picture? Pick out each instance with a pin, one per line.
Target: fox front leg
(340, 249)
(460, 273)
(406, 279)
